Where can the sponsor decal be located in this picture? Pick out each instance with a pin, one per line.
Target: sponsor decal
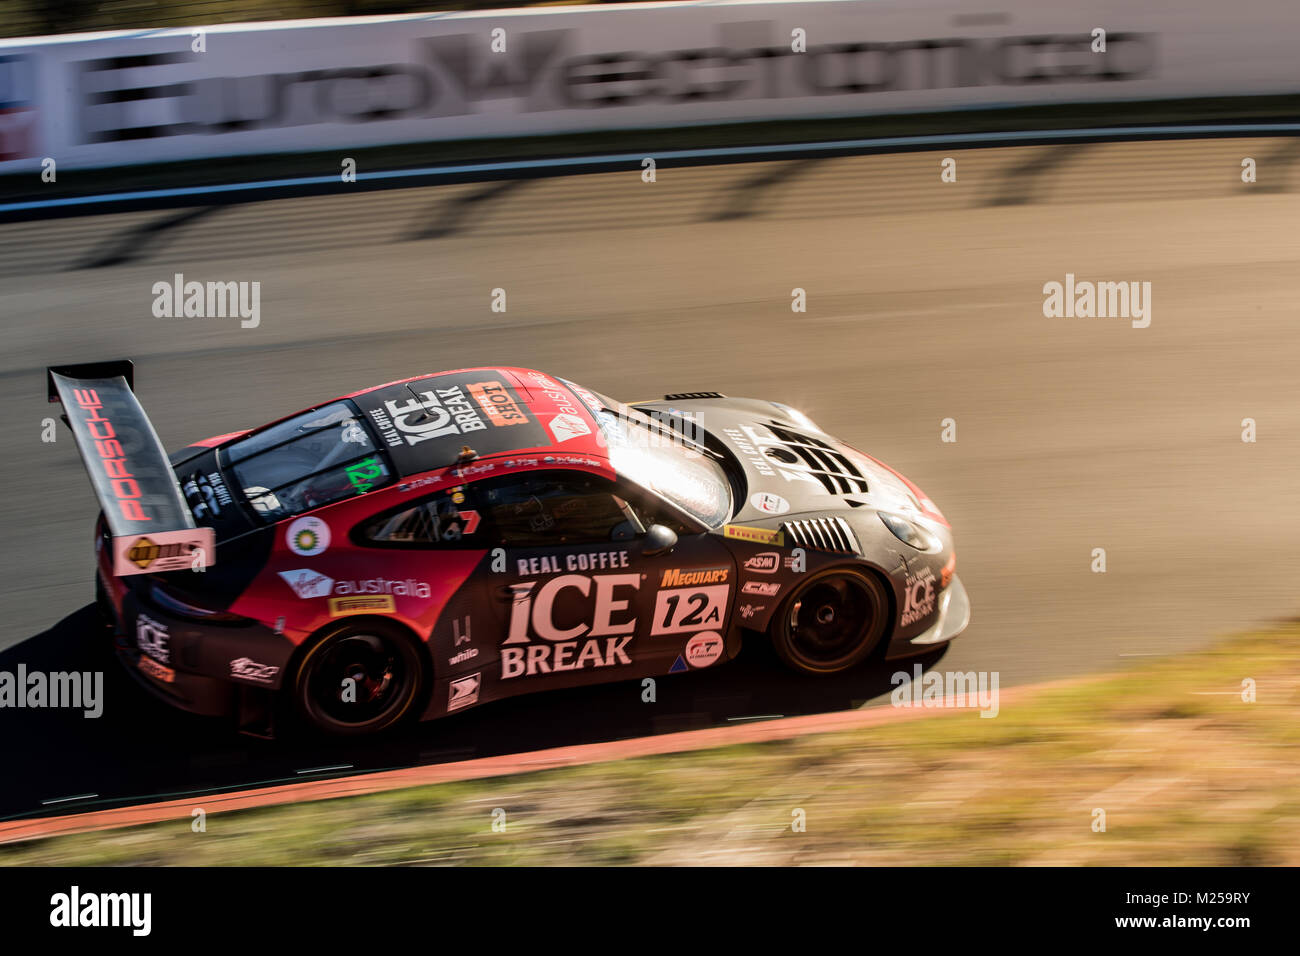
(749, 610)
(918, 596)
(761, 588)
(366, 474)
(152, 638)
(564, 427)
(434, 413)
(676, 578)
(384, 425)
(769, 503)
(463, 691)
(308, 537)
(419, 483)
(689, 609)
(164, 551)
(460, 634)
(551, 563)
(588, 398)
(245, 668)
(571, 460)
(308, 584)
(760, 447)
(555, 392)
(427, 423)
(679, 666)
(561, 69)
(148, 665)
(369, 604)
(749, 452)
(758, 535)
(704, 649)
(599, 639)
(206, 495)
(468, 524)
(498, 403)
(219, 487)
(406, 587)
(765, 563)
(126, 490)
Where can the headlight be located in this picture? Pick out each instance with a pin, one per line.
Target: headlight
(909, 533)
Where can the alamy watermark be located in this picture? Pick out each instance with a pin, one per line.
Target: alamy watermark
(73, 690)
(179, 299)
(1102, 300)
(74, 909)
(946, 689)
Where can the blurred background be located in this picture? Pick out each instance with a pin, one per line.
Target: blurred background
(39, 17)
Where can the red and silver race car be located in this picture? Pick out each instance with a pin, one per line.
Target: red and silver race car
(439, 542)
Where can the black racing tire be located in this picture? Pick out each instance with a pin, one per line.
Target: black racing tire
(383, 661)
(831, 621)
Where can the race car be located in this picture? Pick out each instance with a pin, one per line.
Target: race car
(443, 541)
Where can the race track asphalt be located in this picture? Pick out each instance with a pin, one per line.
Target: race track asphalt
(925, 303)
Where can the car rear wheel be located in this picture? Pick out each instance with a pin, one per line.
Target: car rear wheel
(831, 622)
(360, 678)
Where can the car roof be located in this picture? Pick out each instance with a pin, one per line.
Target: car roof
(425, 421)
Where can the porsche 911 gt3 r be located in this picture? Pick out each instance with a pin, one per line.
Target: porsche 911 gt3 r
(436, 543)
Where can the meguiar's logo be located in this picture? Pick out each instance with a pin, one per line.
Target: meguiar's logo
(676, 578)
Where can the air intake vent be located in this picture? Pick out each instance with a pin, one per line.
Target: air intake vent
(822, 534)
(836, 472)
(686, 396)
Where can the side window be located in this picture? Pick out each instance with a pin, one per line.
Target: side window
(445, 519)
(546, 509)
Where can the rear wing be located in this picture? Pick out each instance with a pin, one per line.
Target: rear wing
(152, 528)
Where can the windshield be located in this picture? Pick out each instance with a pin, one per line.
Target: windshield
(311, 460)
(658, 457)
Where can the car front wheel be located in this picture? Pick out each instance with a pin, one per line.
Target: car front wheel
(831, 622)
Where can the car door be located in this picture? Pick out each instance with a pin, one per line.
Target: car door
(436, 548)
(583, 594)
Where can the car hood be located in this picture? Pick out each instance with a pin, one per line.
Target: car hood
(790, 468)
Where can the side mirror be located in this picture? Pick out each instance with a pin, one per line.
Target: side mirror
(659, 539)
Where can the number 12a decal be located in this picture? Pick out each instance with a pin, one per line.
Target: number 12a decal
(689, 609)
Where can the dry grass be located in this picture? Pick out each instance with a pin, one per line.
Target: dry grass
(1186, 771)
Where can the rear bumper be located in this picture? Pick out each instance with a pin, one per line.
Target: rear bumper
(206, 696)
(189, 674)
(952, 619)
